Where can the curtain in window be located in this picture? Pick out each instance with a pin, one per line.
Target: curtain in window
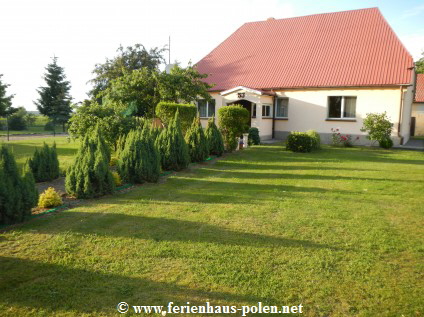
(201, 106)
(349, 107)
(282, 107)
(211, 110)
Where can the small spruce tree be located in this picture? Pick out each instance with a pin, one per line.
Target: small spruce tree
(214, 138)
(45, 164)
(196, 142)
(172, 148)
(90, 176)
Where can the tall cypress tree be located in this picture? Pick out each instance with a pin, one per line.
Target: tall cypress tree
(172, 147)
(44, 163)
(55, 100)
(196, 141)
(214, 138)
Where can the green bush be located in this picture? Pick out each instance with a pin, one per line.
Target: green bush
(196, 142)
(386, 143)
(378, 126)
(139, 161)
(17, 123)
(90, 176)
(254, 138)
(214, 138)
(299, 142)
(233, 121)
(172, 147)
(18, 193)
(165, 111)
(44, 164)
(316, 139)
(49, 199)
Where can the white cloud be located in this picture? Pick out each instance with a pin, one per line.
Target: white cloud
(413, 12)
(414, 43)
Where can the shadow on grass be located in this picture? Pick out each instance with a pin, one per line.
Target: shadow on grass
(53, 288)
(163, 229)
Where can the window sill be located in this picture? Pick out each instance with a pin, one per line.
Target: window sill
(266, 117)
(340, 119)
(281, 119)
(205, 117)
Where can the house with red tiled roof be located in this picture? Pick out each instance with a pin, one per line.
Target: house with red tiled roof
(417, 123)
(315, 72)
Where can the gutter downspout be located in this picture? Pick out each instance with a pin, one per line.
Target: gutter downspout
(400, 115)
(273, 116)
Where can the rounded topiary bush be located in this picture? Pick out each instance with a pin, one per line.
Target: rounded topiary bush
(49, 199)
(299, 142)
(254, 138)
(233, 121)
(386, 143)
(166, 111)
(316, 139)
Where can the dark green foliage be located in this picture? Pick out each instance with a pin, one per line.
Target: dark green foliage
(18, 193)
(55, 100)
(316, 139)
(214, 138)
(254, 138)
(5, 101)
(233, 121)
(299, 142)
(44, 163)
(139, 161)
(386, 143)
(419, 64)
(49, 126)
(196, 142)
(17, 122)
(165, 111)
(172, 147)
(90, 176)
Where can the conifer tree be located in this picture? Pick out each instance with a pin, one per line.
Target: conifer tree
(90, 176)
(55, 100)
(45, 164)
(18, 194)
(196, 142)
(214, 138)
(172, 147)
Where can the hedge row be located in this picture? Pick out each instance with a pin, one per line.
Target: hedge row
(303, 141)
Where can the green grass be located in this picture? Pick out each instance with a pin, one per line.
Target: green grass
(31, 130)
(24, 149)
(339, 230)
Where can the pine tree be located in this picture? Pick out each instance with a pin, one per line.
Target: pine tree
(214, 138)
(55, 101)
(5, 101)
(196, 141)
(172, 147)
(18, 194)
(90, 176)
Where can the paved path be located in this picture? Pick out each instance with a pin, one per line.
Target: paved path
(414, 144)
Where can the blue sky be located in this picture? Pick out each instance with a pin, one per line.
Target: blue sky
(84, 32)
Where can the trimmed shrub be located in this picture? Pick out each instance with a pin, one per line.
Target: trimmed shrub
(214, 138)
(386, 143)
(17, 122)
(378, 126)
(254, 138)
(90, 176)
(166, 111)
(299, 142)
(196, 142)
(172, 147)
(44, 163)
(49, 199)
(139, 160)
(233, 121)
(117, 179)
(316, 139)
(18, 193)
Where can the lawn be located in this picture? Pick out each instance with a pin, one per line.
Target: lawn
(339, 231)
(24, 149)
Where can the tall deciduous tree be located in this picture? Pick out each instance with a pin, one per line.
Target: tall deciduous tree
(55, 100)
(419, 65)
(5, 100)
(127, 60)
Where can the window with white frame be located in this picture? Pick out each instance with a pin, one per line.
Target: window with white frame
(266, 110)
(206, 108)
(253, 110)
(342, 107)
(282, 108)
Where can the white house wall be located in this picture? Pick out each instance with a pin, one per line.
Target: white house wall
(418, 113)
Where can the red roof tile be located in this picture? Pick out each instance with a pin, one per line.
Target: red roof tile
(419, 88)
(350, 48)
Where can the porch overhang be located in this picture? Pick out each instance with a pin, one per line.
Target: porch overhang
(247, 89)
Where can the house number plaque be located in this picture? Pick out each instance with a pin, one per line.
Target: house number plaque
(240, 95)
